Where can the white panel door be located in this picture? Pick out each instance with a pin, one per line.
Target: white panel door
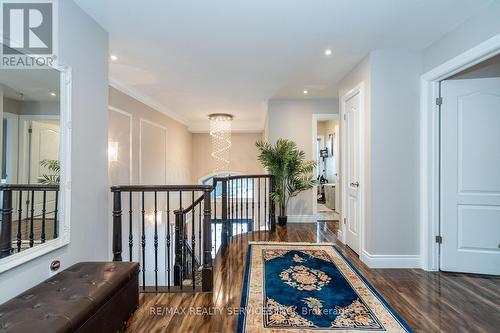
(470, 176)
(45, 139)
(352, 213)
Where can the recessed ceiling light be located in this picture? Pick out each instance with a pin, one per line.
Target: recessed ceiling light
(306, 91)
(113, 57)
(328, 52)
(53, 94)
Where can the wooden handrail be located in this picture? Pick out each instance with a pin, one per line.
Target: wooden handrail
(159, 188)
(28, 187)
(194, 204)
(242, 177)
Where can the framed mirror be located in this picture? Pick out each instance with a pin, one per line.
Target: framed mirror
(35, 137)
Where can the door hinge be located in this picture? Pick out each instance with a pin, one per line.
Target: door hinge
(345, 220)
(345, 118)
(439, 101)
(439, 239)
(30, 130)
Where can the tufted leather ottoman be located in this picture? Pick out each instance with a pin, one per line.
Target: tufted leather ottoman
(86, 297)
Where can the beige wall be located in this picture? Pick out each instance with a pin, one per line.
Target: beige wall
(160, 144)
(152, 149)
(292, 119)
(243, 155)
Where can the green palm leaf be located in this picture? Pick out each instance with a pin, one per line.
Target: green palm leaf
(292, 172)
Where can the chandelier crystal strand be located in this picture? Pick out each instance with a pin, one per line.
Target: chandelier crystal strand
(220, 132)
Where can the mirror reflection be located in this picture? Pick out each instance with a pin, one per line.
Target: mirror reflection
(30, 148)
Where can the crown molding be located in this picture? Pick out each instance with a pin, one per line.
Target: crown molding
(151, 102)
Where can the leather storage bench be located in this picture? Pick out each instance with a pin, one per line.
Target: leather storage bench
(87, 297)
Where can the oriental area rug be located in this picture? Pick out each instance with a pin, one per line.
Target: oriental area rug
(297, 287)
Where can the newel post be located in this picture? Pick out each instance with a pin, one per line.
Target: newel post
(179, 247)
(207, 274)
(117, 226)
(272, 205)
(6, 230)
(225, 222)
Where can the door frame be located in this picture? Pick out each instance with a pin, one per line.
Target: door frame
(358, 89)
(430, 210)
(315, 118)
(24, 125)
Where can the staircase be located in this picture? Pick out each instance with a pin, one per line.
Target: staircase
(175, 231)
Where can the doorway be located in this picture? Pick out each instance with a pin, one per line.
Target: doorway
(430, 162)
(326, 194)
(469, 163)
(352, 113)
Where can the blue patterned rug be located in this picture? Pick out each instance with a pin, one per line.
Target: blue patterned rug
(310, 288)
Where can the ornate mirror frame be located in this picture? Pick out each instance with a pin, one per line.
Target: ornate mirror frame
(63, 238)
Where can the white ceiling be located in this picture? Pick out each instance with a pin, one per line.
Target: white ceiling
(192, 58)
(30, 84)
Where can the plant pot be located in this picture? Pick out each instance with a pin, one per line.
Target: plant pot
(282, 220)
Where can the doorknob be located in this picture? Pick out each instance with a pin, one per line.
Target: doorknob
(356, 184)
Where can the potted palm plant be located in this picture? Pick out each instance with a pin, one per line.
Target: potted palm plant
(292, 172)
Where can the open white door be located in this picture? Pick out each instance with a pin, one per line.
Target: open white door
(352, 154)
(470, 176)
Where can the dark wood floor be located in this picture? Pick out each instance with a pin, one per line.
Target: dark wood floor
(427, 301)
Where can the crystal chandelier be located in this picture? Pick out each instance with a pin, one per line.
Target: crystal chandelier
(220, 132)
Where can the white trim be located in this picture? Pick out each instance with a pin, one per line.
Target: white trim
(315, 118)
(390, 261)
(301, 219)
(152, 103)
(358, 89)
(127, 114)
(63, 239)
(152, 123)
(429, 144)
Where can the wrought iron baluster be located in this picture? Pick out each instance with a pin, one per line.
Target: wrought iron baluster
(130, 226)
(156, 239)
(19, 221)
(56, 212)
(231, 189)
(253, 205)
(214, 224)
(246, 203)
(181, 243)
(199, 228)
(32, 220)
(193, 241)
(241, 207)
(258, 201)
(168, 240)
(44, 210)
(143, 241)
(265, 203)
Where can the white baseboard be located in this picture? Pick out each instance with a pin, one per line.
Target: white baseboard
(301, 219)
(390, 261)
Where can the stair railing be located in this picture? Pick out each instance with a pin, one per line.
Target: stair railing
(192, 235)
(29, 214)
(156, 204)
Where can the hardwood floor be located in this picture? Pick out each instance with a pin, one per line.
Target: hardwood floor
(427, 301)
